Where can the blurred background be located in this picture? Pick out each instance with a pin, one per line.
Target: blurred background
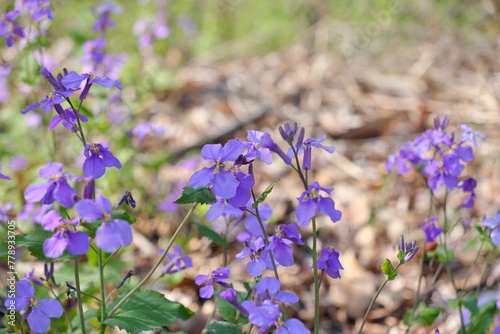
(370, 75)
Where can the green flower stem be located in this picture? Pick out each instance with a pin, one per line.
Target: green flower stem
(79, 124)
(103, 291)
(79, 297)
(373, 301)
(157, 264)
(314, 255)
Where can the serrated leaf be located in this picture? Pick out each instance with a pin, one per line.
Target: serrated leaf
(211, 234)
(424, 315)
(388, 270)
(201, 195)
(34, 241)
(147, 310)
(123, 215)
(219, 327)
(263, 196)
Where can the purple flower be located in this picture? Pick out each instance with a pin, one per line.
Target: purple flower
(74, 80)
(67, 118)
(142, 130)
(4, 212)
(39, 9)
(38, 312)
(149, 30)
(178, 261)
(220, 276)
(98, 158)
(4, 84)
(256, 146)
(103, 11)
(18, 162)
(256, 251)
(269, 288)
(329, 262)
(292, 326)
(52, 100)
(407, 250)
(10, 28)
(494, 225)
(469, 185)
(229, 295)
(308, 146)
(5, 177)
(280, 243)
(265, 315)
(311, 201)
(430, 229)
(35, 213)
(113, 233)
(30, 276)
(127, 199)
(252, 225)
(224, 182)
(75, 242)
(468, 135)
(55, 189)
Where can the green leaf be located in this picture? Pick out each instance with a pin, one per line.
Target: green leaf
(443, 255)
(223, 327)
(424, 315)
(201, 195)
(211, 234)
(147, 310)
(230, 313)
(34, 241)
(388, 270)
(470, 303)
(482, 321)
(263, 196)
(123, 215)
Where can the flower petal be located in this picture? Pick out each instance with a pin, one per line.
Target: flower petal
(38, 321)
(51, 307)
(78, 242)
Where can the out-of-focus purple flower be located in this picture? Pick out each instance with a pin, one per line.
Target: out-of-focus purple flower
(18, 162)
(407, 250)
(292, 326)
(103, 11)
(224, 181)
(34, 212)
(229, 295)
(468, 135)
(50, 101)
(149, 30)
(4, 212)
(142, 130)
(311, 201)
(469, 185)
(5, 177)
(256, 251)
(94, 50)
(4, 85)
(55, 189)
(98, 158)
(38, 312)
(168, 202)
(430, 229)
(329, 262)
(493, 224)
(33, 120)
(10, 28)
(178, 261)
(30, 276)
(220, 276)
(186, 23)
(113, 233)
(76, 242)
(38, 9)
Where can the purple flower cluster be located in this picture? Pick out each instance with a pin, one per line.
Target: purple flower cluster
(178, 261)
(440, 156)
(407, 250)
(263, 311)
